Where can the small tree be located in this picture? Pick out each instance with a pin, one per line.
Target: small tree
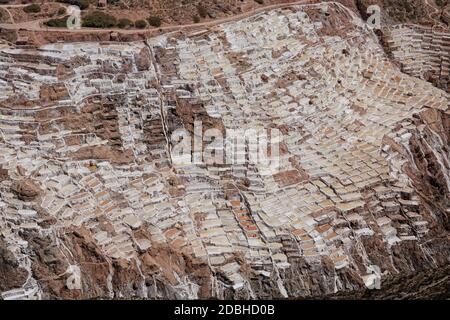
(140, 24)
(196, 19)
(99, 19)
(124, 23)
(154, 21)
(57, 23)
(32, 8)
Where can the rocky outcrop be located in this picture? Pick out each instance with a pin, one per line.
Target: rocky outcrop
(103, 153)
(11, 274)
(26, 189)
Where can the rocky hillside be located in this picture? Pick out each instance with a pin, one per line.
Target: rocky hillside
(94, 202)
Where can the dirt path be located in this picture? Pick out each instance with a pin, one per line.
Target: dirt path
(34, 25)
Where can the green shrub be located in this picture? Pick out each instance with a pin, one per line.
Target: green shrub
(57, 23)
(124, 23)
(83, 4)
(99, 19)
(202, 11)
(32, 8)
(154, 21)
(140, 24)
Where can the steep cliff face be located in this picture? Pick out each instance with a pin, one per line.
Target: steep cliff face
(94, 203)
(11, 275)
(425, 159)
(430, 170)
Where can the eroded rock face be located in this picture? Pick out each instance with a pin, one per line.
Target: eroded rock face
(26, 189)
(94, 205)
(11, 275)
